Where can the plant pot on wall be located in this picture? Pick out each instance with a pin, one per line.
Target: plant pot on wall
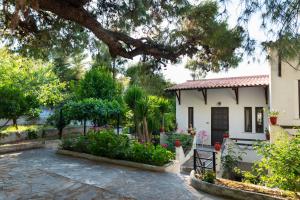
(226, 135)
(217, 146)
(177, 143)
(273, 120)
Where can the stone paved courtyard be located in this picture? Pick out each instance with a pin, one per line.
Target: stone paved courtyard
(42, 174)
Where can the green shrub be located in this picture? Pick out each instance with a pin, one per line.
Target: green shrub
(32, 134)
(185, 140)
(68, 144)
(108, 144)
(280, 164)
(230, 162)
(209, 176)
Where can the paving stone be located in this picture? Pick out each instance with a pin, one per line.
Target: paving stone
(42, 174)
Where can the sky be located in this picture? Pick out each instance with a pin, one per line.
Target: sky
(250, 65)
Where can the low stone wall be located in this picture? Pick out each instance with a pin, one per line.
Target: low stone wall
(165, 168)
(9, 148)
(21, 136)
(228, 192)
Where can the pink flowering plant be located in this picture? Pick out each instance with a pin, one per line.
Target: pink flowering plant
(202, 136)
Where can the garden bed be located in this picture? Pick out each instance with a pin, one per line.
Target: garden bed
(164, 168)
(238, 190)
(119, 147)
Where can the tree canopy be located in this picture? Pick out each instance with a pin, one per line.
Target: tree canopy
(98, 83)
(280, 20)
(153, 82)
(25, 85)
(160, 30)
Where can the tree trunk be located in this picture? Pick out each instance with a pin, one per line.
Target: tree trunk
(163, 122)
(114, 69)
(60, 133)
(118, 124)
(140, 134)
(84, 127)
(145, 130)
(15, 123)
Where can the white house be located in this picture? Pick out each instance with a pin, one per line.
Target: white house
(237, 104)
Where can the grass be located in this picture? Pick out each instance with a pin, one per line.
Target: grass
(21, 128)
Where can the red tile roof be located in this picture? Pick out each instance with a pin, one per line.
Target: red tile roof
(242, 81)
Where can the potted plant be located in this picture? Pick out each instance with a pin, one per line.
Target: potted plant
(217, 146)
(191, 130)
(177, 143)
(226, 135)
(273, 115)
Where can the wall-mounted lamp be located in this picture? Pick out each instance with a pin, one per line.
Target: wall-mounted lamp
(219, 103)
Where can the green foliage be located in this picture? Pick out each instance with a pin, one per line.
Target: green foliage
(21, 128)
(68, 68)
(32, 134)
(249, 177)
(132, 95)
(26, 85)
(280, 164)
(98, 83)
(152, 82)
(231, 160)
(97, 110)
(185, 140)
(280, 21)
(149, 154)
(209, 176)
(108, 144)
(14, 103)
(169, 30)
(59, 119)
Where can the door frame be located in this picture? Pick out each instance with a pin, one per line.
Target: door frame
(211, 123)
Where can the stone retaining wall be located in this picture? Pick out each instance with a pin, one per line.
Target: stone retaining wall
(9, 148)
(228, 192)
(21, 136)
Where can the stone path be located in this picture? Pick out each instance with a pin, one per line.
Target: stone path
(42, 174)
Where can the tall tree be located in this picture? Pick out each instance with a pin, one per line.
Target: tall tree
(98, 83)
(101, 57)
(25, 85)
(152, 81)
(132, 96)
(163, 30)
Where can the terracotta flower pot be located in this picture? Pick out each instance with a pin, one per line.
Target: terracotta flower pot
(177, 143)
(161, 130)
(217, 146)
(273, 120)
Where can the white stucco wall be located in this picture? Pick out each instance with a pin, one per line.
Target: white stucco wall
(248, 97)
(284, 90)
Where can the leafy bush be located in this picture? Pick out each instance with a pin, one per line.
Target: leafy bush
(280, 164)
(230, 161)
(32, 134)
(185, 140)
(108, 144)
(209, 176)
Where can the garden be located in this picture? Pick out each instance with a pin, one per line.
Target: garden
(115, 122)
(277, 174)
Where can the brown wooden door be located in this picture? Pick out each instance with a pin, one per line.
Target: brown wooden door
(219, 123)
